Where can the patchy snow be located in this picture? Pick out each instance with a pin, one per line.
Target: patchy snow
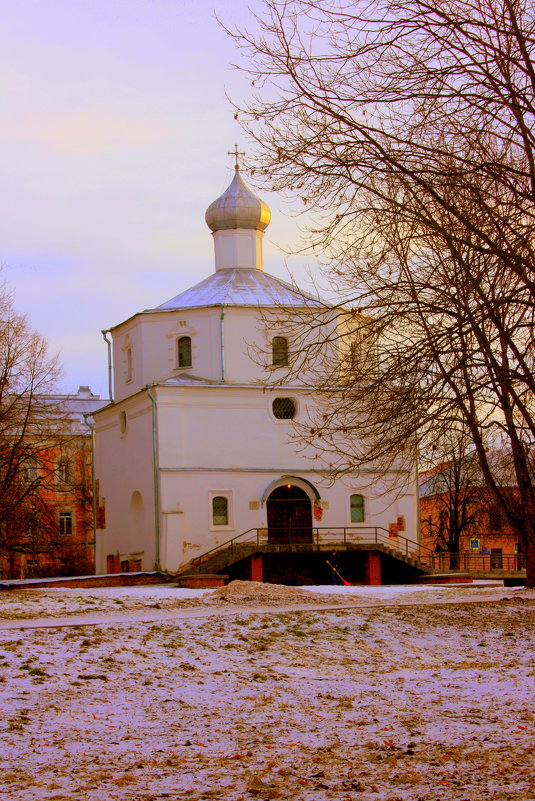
(56, 602)
(427, 698)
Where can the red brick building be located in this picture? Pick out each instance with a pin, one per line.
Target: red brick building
(460, 515)
(53, 532)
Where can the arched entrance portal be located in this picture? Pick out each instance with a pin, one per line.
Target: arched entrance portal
(289, 515)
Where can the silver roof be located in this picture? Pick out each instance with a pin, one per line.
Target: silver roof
(72, 408)
(239, 287)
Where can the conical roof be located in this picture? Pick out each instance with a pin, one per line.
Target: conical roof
(238, 207)
(239, 287)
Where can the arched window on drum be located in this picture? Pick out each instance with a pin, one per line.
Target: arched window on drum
(279, 351)
(183, 352)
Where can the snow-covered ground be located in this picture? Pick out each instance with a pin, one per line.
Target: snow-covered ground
(405, 694)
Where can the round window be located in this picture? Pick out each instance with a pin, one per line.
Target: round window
(284, 408)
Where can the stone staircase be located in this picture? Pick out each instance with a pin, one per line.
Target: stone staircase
(219, 560)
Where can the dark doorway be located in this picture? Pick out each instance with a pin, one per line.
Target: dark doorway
(289, 515)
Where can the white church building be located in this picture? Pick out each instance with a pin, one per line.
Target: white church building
(198, 446)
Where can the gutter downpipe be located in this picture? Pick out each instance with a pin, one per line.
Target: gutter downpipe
(156, 479)
(110, 368)
(418, 523)
(222, 337)
(91, 428)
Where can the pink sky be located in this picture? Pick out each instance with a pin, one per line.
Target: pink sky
(115, 130)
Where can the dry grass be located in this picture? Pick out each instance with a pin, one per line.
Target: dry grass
(420, 704)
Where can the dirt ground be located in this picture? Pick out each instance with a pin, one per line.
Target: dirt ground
(401, 697)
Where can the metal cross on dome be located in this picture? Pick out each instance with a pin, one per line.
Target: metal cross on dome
(235, 153)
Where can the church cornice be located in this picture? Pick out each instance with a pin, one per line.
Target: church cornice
(282, 470)
(201, 383)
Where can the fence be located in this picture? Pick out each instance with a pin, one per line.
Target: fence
(474, 562)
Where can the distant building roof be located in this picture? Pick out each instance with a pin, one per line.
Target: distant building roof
(84, 402)
(239, 287)
(440, 479)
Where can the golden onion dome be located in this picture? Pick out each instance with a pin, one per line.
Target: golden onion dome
(238, 207)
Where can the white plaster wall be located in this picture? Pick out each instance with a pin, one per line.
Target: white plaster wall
(123, 465)
(224, 440)
(248, 335)
(247, 345)
(189, 532)
(212, 439)
(228, 426)
(238, 248)
(153, 337)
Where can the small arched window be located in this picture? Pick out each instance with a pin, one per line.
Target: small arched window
(220, 511)
(129, 364)
(357, 508)
(183, 352)
(279, 350)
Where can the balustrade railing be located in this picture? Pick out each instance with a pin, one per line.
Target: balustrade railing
(343, 536)
(329, 537)
(475, 562)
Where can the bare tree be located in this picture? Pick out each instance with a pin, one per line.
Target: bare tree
(453, 485)
(31, 425)
(408, 128)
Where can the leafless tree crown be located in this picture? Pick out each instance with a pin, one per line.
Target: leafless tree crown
(407, 128)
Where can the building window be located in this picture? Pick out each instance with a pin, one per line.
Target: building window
(129, 364)
(279, 349)
(122, 422)
(101, 514)
(125, 566)
(65, 524)
(354, 354)
(219, 511)
(63, 470)
(31, 470)
(357, 508)
(284, 408)
(34, 530)
(495, 518)
(183, 352)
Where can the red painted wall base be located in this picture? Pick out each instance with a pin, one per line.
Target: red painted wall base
(257, 573)
(373, 568)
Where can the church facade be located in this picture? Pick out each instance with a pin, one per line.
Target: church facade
(199, 444)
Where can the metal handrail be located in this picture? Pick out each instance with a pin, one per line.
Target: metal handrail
(223, 545)
(483, 562)
(330, 536)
